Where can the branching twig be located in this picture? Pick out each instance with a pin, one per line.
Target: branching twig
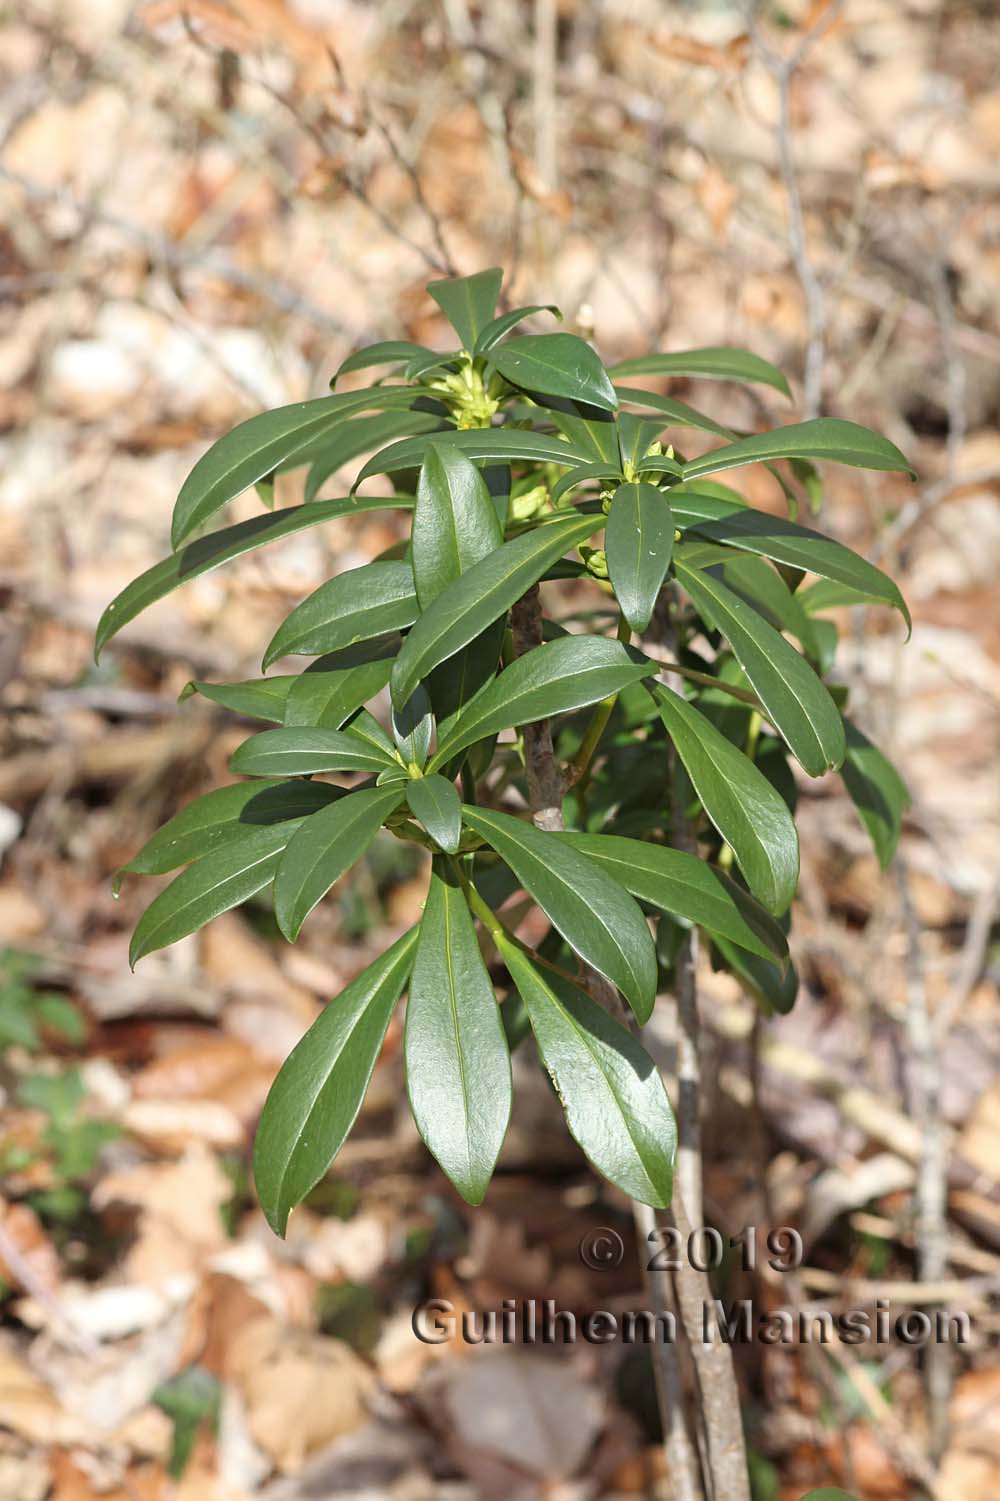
(545, 792)
(783, 70)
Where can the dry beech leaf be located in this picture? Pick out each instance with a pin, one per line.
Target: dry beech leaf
(28, 1259)
(686, 49)
(280, 1373)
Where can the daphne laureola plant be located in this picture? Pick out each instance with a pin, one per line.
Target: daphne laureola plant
(677, 693)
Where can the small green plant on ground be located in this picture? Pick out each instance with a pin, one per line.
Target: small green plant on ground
(697, 669)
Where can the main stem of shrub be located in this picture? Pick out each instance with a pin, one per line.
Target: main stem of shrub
(545, 792)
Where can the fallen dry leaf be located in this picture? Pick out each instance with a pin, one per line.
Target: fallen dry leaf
(527, 1410)
(301, 1390)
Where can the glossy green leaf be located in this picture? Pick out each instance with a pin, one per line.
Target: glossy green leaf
(413, 727)
(389, 352)
(747, 811)
(258, 447)
(214, 884)
(330, 698)
(685, 887)
(877, 791)
(455, 524)
(556, 365)
(304, 750)
(797, 703)
(676, 413)
(636, 435)
(334, 839)
(580, 476)
(597, 918)
(784, 541)
(354, 606)
(555, 678)
(822, 438)
(457, 1059)
(422, 365)
(773, 986)
(481, 444)
(483, 594)
(715, 364)
(219, 547)
(261, 698)
(362, 435)
(437, 807)
(225, 816)
(590, 429)
(468, 302)
(758, 583)
(703, 500)
(611, 1090)
(639, 544)
(315, 1100)
(368, 727)
(495, 330)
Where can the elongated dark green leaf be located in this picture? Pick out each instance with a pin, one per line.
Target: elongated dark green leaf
(797, 703)
(555, 678)
(611, 1090)
(799, 547)
(773, 986)
(556, 365)
(826, 595)
(337, 837)
(361, 435)
(314, 1101)
(581, 475)
(703, 500)
(685, 887)
(455, 523)
(368, 727)
(636, 435)
(480, 596)
(481, 444)
(591, 429)
(597, 918)
(304, 750)
(330, 698)
(468, 302)
(436, 805)
(261, 698)
(715, 363)
(495, 330)
(639, 544)
(423, 364)
(747, 811)
(413, 727)
(877, 791)
(219, 547)
(257, 447)
(829, 1493)
(354, 606)
(756, 582)
(390, 352)
(822, 438)
(457, 1059)
(214, 884)
(677, 413)
(223, 817)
